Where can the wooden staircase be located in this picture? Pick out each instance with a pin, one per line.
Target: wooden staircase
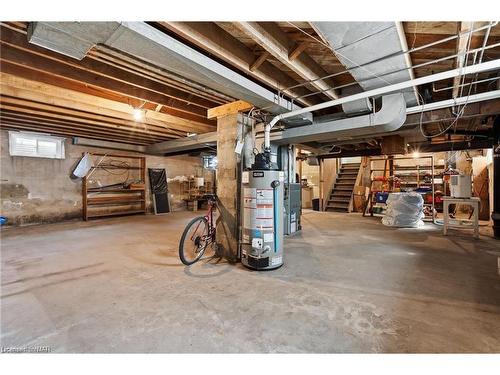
(341, 194)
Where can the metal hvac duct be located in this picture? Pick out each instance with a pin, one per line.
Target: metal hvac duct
(139, 39)
(391, 117)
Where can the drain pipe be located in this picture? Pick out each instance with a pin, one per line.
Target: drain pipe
(477, 68)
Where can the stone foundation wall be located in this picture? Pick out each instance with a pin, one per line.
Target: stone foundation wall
(39, 190)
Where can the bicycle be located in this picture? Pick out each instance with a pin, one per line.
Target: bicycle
(199, 233)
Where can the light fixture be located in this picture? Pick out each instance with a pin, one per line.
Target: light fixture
(416, 155)
(138, 114)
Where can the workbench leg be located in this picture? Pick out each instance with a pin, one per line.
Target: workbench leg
(476, 220)
(445, 217)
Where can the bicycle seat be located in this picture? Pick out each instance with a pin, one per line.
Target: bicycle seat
(210, 197)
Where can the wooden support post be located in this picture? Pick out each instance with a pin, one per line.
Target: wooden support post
(227, 185)
(229, 127)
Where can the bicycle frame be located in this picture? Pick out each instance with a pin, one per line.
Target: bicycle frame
(210, 236)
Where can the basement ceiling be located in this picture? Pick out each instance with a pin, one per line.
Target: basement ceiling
(95, 97)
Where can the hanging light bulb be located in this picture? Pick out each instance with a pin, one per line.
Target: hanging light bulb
(138, 114)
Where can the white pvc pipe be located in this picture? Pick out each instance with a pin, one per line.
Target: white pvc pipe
(477, 68)
(453, 102)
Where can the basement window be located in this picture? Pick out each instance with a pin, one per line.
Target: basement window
(35, 145)
(210, 162)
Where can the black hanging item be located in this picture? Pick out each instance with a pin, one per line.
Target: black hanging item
(159, 190)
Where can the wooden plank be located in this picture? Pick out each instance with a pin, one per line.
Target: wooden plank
(438, 28)
(82, 68)
(258, 61)
(68, 133)
(297, 50)
(70, 126)
(270, 37)
(114, 200)
(34, 109)
(211, 37)
(44, 93)
(158, 94)
(461, 48)
(230, 108)
(118, 213)
(33, 74)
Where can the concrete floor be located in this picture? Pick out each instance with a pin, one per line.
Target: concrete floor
(349, 285)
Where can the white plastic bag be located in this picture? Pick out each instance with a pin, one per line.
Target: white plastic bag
(404, 210)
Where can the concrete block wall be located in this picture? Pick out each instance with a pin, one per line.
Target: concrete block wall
(39, 190)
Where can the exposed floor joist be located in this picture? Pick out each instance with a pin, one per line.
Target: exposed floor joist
(215, 40)
(93, 73)
(275, 41)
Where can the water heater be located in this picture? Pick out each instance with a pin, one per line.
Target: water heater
(262, 215)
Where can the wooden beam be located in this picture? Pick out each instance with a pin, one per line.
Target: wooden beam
(105, 78)
(297, 50)
(43, 93)
(65, 83)
(119, 77)
(270, 37)
(213, 39)
(227, 109)
(104, 129)
(66, 132)
(461, 49)
(37, 125)
(37, 110)
(258, 61)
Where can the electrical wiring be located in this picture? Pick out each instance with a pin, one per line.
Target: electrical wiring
(338, 53)
(461, 110)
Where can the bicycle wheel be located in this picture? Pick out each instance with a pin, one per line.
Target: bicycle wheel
(194, 240)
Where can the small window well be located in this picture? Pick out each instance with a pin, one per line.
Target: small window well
(35, 145)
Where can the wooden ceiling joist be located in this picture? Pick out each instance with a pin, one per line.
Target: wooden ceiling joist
(13, 115)
(297, 50)
(75, 117)
(19, 41)
(68, 132)
(63, 82)
(72, 122)
(462, 45)
(104, 77)
(43, 93)
(100, 75)
(215, 40)
(259, 61)
(126, 62)
(50, 125)
(274, 40)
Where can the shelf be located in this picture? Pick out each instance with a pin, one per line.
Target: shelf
(93, 190)
(95, 198)
(114, 167)
(118, 213)
(114, 200)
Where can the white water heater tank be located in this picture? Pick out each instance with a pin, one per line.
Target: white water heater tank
(461, 186)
